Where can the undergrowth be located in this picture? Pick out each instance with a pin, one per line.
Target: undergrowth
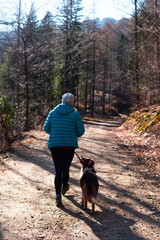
(141, 132)
(144, 121)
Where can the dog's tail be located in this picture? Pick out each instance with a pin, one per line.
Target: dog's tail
(93, 200)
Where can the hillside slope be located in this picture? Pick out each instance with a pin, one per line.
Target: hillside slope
(141, 133)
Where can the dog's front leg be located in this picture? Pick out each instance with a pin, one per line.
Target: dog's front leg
(93, 208)
(85, 203)
(82, 204)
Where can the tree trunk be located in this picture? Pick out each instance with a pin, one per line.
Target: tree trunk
(86, 93)
(157, 43)
(109, 92)
(5, 131)
(18, 69)
(27, 90)
(104, 88)
(93, 70)
(136, 57)
(86, 82)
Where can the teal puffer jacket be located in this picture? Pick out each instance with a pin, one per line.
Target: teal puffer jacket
(64, 125)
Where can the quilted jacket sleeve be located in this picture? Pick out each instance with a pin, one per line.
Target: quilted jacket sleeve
(47, 124)
(79, 126)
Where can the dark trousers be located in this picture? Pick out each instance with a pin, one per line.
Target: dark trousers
(62, 159)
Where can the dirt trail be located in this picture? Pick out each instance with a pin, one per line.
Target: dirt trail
(129, 196)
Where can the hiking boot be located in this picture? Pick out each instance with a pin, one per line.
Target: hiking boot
(65, 189)
(58, 200)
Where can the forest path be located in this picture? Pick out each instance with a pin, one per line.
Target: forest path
(128, 195)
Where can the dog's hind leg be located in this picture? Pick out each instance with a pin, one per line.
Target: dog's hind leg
(93, 208)
(85, 203)
(82, 204)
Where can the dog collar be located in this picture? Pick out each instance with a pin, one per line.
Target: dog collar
(88, 170)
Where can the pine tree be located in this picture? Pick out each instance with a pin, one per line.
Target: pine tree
(70, 38)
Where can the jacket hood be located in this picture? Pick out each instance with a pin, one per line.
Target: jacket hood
(64, 109)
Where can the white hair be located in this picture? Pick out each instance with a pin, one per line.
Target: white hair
(68, 98)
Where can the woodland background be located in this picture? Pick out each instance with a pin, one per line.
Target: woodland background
(110, 69)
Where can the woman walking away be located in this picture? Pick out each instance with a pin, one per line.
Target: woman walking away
(64, 125)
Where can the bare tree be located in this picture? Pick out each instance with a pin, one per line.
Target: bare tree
(136, 55)
(157, 30)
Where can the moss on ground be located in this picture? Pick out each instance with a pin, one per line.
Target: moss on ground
(143, 120)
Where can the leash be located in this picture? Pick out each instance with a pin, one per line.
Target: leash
(77, 155)
(80, 159)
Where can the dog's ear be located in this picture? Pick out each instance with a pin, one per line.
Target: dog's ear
(91, 162)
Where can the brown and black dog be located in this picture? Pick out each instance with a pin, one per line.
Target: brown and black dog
(89, 183)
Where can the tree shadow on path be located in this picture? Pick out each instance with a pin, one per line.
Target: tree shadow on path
(116, 227)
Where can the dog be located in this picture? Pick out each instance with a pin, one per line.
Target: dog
(88, 183)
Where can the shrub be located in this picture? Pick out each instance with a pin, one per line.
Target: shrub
(7, 111)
